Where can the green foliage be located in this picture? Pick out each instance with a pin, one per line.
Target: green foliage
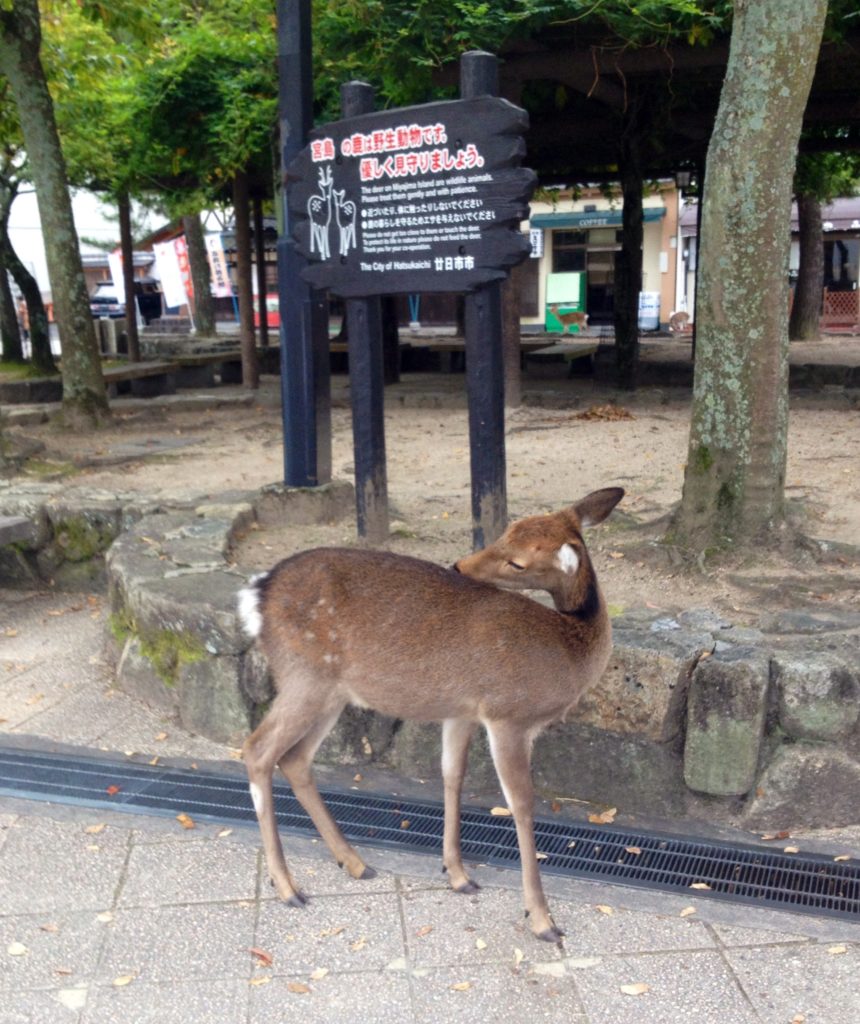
(824, 176)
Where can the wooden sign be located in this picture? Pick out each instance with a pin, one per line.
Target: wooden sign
(418, 199)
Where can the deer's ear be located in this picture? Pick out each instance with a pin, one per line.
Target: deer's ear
(595, 507)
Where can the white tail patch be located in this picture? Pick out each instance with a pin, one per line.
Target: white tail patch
(248, 602)
(567, 559)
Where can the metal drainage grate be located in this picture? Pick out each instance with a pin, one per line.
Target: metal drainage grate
(809, 883)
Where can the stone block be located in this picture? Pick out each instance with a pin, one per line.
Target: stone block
(301, 506)
(643, 690)
(359, 736)
(632, 773)
(806, 785)
(726, 712)
(417, 752)
(211, 701)
(137, 676)
(255, 677)
(819, 697)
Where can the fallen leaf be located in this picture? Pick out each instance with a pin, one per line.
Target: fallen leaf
(635, 850)
(161, 736)
(359, 944)
(113, 790)
(836, 950)
(843, 856)
(541, 856)
(480, 944)
(461, 986)
(700, 885)
(687, 911)
(357, 777)
(105, 917)
(93, 830)
(17, 949)
(798, 1018)
(319, 973)
(11, 632)
(261, 979)
(63, 971)
(501, 812)
(154, 761)
(639, 989)
(225, 832)
(51, 926)
(768, 836)
(366, 747)
(555, 807)
(329, 932)
(299, 987)
(616, 554)
(606, 818)
(123, 980)
(609, 911)
(519, 955)
(405, 823)
(571, 844)
(263, 958)
(424, 930)
(185, 821)
(791, 849)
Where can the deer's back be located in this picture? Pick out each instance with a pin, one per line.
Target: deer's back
(414, 640)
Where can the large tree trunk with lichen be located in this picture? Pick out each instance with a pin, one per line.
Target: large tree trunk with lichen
(735, 476)
(804, 324)
(84, 397)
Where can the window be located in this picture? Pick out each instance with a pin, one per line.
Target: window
(568, 251)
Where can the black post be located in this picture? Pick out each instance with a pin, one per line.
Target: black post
(366, 380)
(305, 372)
(485, 372)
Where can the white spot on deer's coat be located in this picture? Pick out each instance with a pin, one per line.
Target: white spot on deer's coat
(256, 796)
(248, 601)
(567, 559)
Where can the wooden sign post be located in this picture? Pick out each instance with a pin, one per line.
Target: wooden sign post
(418, 199)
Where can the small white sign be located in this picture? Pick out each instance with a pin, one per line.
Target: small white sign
(536, 239)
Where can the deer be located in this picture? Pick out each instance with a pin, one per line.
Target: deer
(319, 214)
(679, 323)
(414, 640)
(576, 318)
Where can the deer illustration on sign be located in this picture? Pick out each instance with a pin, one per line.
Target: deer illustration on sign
(319, 214)
(345, 214)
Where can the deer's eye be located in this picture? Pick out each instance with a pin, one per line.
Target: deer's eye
(515, 565)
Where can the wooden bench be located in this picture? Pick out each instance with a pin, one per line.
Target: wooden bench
(145, 379)
(14, 528)
(198, 369)
(563, 352)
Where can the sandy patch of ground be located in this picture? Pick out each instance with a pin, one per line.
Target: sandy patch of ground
(554, 457)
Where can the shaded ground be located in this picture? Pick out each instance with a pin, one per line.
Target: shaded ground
(581, 438)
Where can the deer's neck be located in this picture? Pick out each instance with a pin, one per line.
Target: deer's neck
(580, 597)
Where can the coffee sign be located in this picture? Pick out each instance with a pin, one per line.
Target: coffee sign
(419, 199)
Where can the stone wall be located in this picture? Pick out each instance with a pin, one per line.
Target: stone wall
(695, 716)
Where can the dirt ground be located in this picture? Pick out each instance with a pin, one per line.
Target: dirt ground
(554, 456)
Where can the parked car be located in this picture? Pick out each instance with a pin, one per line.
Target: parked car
(104, 301)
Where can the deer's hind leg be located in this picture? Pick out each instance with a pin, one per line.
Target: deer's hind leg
(296, 765)
(294, 715)
(456, 735)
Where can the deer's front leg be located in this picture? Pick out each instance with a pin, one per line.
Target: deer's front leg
(510, 744)
(456, 734)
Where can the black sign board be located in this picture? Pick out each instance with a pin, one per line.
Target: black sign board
(418, 199)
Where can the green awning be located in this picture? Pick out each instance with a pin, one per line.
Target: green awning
(593, 219)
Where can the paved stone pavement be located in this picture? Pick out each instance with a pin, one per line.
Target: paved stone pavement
(109, 917)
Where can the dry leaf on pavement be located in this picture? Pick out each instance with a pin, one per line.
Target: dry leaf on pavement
(639, 989)
(606, 818)
(185, 821)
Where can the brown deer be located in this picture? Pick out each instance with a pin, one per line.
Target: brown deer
(566, 320)
(413, 640)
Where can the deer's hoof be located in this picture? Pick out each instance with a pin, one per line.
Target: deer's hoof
(298, 899)
(551, 934)
(368, 873)
(467, 888)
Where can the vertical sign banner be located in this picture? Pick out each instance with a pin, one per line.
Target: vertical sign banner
(222, 287)
(168, 270)
(418, 199)
(184, 267)
(115, 267)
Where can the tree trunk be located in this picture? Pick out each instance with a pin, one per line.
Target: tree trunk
(805, 321)
(84, 397)
(735, 475)
(126, 243)
(10, 331)
(201, 275)
(250, 370)
(260, 267)
(628, 262)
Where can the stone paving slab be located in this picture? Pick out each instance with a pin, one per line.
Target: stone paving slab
(109, 917)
